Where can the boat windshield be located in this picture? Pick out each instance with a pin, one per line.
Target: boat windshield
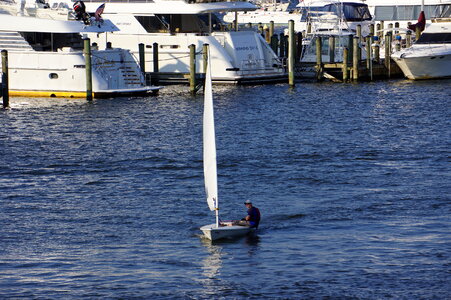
(409, 12)
(173, 23)
(353, 12)
(44, 41)
(435, 38)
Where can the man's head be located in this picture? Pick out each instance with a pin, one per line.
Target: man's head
(248, 203)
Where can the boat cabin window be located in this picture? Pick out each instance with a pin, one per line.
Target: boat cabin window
(407, 12)
(173, 23)
(353, 12)
(45, 41)
(435, 38)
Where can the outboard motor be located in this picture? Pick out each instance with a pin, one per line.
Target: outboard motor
(80, 12)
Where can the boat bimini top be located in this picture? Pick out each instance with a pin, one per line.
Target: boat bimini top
(170, 7)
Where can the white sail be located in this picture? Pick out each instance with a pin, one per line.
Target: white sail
(210, 173)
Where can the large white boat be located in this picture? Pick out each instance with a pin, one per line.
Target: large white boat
(430, 56)
(45, 59)
(237, 56)
(322, 14)
(406, 11)
(334, 15)
(279, 13)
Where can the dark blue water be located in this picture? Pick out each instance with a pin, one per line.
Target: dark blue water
(105, 199)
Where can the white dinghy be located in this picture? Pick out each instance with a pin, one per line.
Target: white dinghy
(218, 230)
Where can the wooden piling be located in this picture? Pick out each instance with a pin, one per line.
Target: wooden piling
(388, 39)
(387, 49)
(345, 64)
(291, 52)
(390, 28)
(319, 59)
(156, 67)
(377, 56)
(5, 79)
(355, 59)
(271, 29)
(369, 61)
(282, 45)
(359, 36)
(350, 47)
(408, 39)
(142, 59)
(371, 30)
(236, 21)
(331, 49)
(368, 51)
(275, 43)
(359, 32)
(298, 46)
(88, 67)
(205, 57)
(192, 69)
(398, 43)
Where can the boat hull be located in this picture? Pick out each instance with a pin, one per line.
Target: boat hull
(426, 67)
(225, 232)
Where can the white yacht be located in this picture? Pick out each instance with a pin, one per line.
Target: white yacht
(430, 56)
(406, 11)
(279, 13)
(334, 15)
(236, 56)
(45, 59)
(321, 14)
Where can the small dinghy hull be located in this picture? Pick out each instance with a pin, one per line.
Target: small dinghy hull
(212, 232)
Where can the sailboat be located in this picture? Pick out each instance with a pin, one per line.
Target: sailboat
(218, 230)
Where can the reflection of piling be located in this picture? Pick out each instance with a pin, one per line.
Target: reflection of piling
(291, 52)
(88, 66)
(5, 86)
(192, 69)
